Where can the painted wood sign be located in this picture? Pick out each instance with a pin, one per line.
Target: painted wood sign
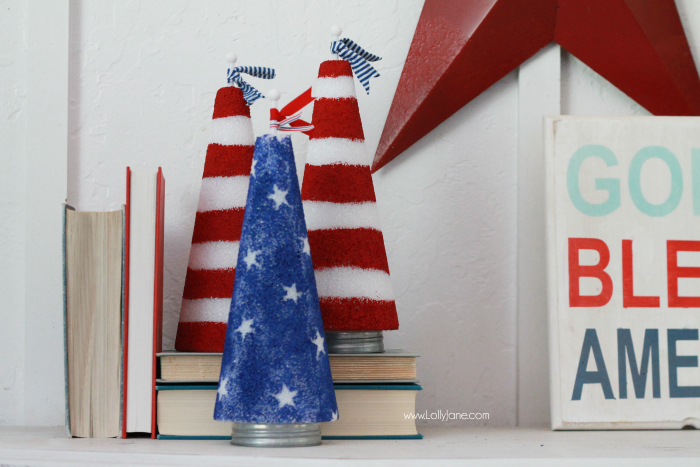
(623, 228)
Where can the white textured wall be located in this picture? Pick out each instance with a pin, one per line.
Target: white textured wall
(449, 211)
(143, 76)
(13, 130)
(33, 153)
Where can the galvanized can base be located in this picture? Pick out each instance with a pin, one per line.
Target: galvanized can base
(355, 342)
(276, 435)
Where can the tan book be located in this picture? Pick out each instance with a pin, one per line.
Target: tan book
(93, 245)
(390, 366)
(379, 411)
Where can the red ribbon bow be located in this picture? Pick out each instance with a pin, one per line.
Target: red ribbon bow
(288, 118)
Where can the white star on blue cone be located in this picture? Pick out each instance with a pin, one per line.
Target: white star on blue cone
(223, 391)
(292, 293)
(279, 197)
(318, 342)
(285, 397)
(245, 328)
(251, 258)
(307, 247)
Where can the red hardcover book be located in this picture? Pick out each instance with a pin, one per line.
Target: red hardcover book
(134, 301)
(158, 291)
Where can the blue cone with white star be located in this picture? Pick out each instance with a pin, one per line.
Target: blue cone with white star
(275, 366)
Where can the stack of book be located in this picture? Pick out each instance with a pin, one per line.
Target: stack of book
(376, 396)
(118, 382)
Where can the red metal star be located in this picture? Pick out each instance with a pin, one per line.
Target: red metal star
(461, 47)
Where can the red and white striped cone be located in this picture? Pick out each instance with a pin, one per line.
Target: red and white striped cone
(217, 230)
(347, 246)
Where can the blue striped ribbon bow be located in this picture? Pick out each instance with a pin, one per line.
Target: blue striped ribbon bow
(286, 124)
(358, 58)
(250, 94)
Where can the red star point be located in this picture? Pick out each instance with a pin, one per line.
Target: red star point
(461, 48)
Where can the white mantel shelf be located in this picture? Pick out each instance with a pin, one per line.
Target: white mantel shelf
(444, 446)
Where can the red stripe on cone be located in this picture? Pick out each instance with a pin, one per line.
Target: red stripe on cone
(200, 337)
(209, 283)
(337, 118)
(213, 226)
(362, 248)
(358, 314)
(230, 103)
(334, 68)
(228, 161)
(338, 183)
(210, 226)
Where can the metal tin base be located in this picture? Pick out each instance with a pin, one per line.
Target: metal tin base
(355, 342)
(276, 435)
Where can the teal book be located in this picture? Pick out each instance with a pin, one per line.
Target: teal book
(365, 411)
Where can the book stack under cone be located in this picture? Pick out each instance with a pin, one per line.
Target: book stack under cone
(376, 396)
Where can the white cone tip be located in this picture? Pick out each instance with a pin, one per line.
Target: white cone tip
(273, 95)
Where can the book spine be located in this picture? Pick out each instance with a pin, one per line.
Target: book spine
(122, 425)
(125, 304)
(158, 290)
(65, 323)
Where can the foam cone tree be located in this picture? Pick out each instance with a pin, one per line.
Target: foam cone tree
(215, 240)
(275, 366)
(345, 236)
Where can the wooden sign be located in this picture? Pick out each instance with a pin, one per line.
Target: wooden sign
(623, 246)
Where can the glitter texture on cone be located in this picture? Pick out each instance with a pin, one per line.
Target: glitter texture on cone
(217, 230)
(345, 238)
(275, 365)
